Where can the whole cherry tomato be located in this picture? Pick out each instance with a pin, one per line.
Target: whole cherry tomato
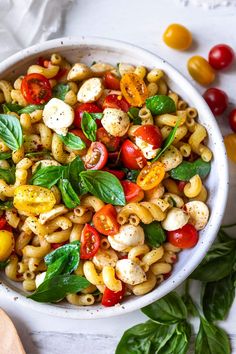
(36, 89)
(151, 134)
(90, 242)
(221, 56)
(116, 101)
(111, 81)
(105, 220)
(230, 145)
(133, 89)
(131, 156)
(85, 107)
(112, 142)
(118, 173)
(151, 175)
(111, 298)
(3, 223)
(217, 100)
(232, 120)
(186, 237)
(177, 36)
(96, 157)
(133, 193)
(200, 70)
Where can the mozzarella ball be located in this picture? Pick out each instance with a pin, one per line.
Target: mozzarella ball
(147, 149)
(130, 272)
(198, 212)
(115, 121)
(79, 71)
(105, 258)
(175, 219)
(90, 90)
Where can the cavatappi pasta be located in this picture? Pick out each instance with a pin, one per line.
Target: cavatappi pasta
(85, 173)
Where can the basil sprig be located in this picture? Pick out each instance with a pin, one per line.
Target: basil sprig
(5, 155)
(187, 170)
(13, 107)
(154, 234)
(47, 176)
(131, 175)
(133, 113)
(73, 142)
(89, 126)
(160, 104)
(11, 131)
(68, 194)
(8, 204)
(8, 175)
(60, 91)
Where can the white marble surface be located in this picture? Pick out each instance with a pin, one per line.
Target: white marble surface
(139, 22)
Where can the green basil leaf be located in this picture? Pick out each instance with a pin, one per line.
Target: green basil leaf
(190, 306)
(131, 175)
(154, 234)
(104, 185)
(3, 264)
(31, 108)
(47, 176)
(168, 310)
(5, 155)
(57, 267)
(133, 113)
(160, 104)
(74, 169)
(11, 131)
(60, 91)
(89, 126)
(6, 205)
(211, 339)
(56, 288)
(73, 141)
(218, 298)
(38, 154)
(223, 236)
(179, 341)
(8, 175)
(68, 194)
(11, 107)
(96, 116)
(187, 170)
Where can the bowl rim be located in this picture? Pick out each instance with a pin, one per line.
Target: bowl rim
(144, 300)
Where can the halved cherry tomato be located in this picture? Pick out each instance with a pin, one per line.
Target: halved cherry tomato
(111, 298)
(221, 56)
(200, 70)
(133, 89)
(3, 223)
(133, 193)
(57, 245)
(112, 142)
(151, 134)
(151, 175)
(36, 89)
(111, 81)
(186, 237)
(116, 101)
(177, 36)
(118, 173)
(230, 145)
(232, 120)
(105, 220)
(96, 157)
(216, 99)
(90, 242)
(131, 156)
(85, 107)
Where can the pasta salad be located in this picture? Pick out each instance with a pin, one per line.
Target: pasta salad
(101, 180)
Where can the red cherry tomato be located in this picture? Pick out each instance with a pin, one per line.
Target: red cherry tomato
(181, 185)
(112, 142)
(36, 89)
(217, 100)
(105, 220)
(80, 133)
(90, 242)
(116, 101)
(96, 157)
(131, 156)
(85, 107)
(111, 298)
(221, 56)
(151, 134)
(118, 173)
(62, 72)
(111, 81)
(232, 119)
(57, 245)
(186, 237)
(3, 223)
(133, 193)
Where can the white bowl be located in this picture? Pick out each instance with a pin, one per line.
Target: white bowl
(98, 49)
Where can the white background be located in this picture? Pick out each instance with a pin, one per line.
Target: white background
(142, 23)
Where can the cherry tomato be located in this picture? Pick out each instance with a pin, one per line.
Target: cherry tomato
(114, 158)
(131, 156)
(3, 223)
(133, 89)
(181, 185)
(111, 298)
(105, 220)
(118, 173)
(133, 193)
(200, 70)
(186, 237)
(230, 145)
(111, 81)
(85, 107)
(221, 56)
(80, 133)
(232, 119)
(177, 37)
(151, 134)
(57, 245)
(90, 242)
(112, 142)
(151, 175)
(217, 100)
(116, 101)
(36, 89)
(96, 157)
(62, 72)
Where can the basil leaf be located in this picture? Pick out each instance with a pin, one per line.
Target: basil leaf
(5, 155)
(74, 169)
(68, 194)
(47, 176)
(6, 205)
(187, 170)
(160, 104)
(169, 140)
(56, 288)
(60, 91)
(211, 339)
(89, 126)
(133, 113)
(8, 175)
(3, 264)
(179, 341)
(96, 116)
(73, 141)
(217, 264)
(56, 268)
(31, 108)
(104, 185)
(131, 175)
(11, 131)
(154, 234)
(190, 306)
(168, 310)
(218, 298)
(11, 107)
(223, 236)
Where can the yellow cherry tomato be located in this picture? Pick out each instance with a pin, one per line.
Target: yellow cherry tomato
(7, 244)
(151, 175)
(230, 145)
(177, 37)
(33, 199)
(133, 89)
(200, 70)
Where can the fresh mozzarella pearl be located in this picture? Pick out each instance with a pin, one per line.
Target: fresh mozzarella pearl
(146, 148)
(130, 272)
(115, 121)
(90, 90)
(198, 212)
(175, 219)
(105, 258)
